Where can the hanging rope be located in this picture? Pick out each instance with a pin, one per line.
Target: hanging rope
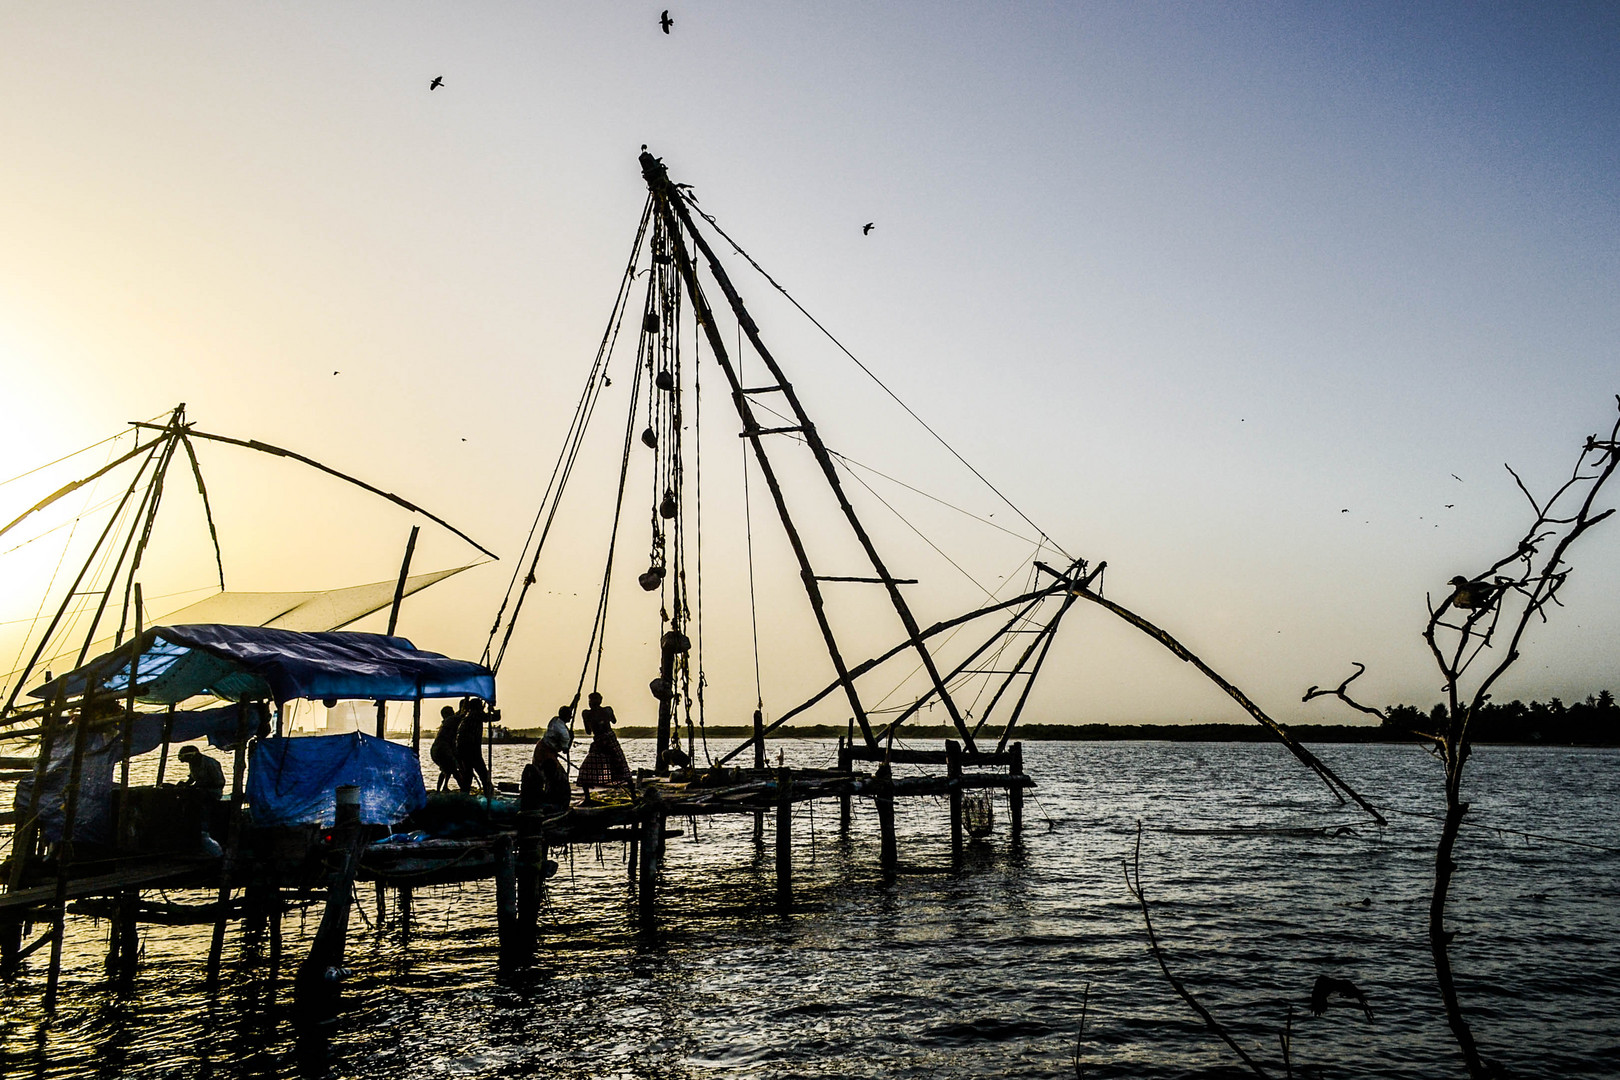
(552, 498)
(871, 375)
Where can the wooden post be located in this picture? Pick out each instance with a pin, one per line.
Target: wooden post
(416, 725)
(845, 765)
(233, 840)
(506, 900)
(953, 771)
(652, 839)
(1015, 791)
(127, 728)
(405, 914)
(315, 988)
(889, 851)
(784, 840)
(530, 873)
(273, 912)
(163, 753)
(759, 763)
(64, 854)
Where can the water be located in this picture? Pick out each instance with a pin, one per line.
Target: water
(975, 974)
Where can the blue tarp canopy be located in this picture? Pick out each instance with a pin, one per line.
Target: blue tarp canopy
(293, 781)
(242, 663)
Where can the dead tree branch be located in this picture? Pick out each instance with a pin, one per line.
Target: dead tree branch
(1133, 882)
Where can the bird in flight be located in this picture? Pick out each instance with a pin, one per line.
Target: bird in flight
(665, 21)
(1457, 478)
(438, 81)
(868, 227)
(337, 372)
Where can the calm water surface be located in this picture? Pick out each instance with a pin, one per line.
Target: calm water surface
(1254, 891)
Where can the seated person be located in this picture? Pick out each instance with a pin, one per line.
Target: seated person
(207, 777)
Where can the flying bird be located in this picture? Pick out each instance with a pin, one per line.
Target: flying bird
(1457, 478)
(1450, 505)
(1344, 988)
(337, 372)
(438, 81)
(665, 21)
(868, 227)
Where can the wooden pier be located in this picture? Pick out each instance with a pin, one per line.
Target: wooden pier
(512, 859)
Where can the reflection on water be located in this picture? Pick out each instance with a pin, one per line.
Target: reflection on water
(973, 974)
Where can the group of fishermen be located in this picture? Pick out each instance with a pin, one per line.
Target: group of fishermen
(458, 751)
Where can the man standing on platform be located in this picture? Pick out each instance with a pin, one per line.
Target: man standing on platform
(604, 764)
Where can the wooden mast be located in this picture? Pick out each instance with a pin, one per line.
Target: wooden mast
(671, 207)
(667, 205)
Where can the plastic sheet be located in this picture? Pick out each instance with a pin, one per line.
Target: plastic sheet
(294, 781)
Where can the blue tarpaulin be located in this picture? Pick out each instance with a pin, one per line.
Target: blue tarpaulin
(293, 781)
(245, 662)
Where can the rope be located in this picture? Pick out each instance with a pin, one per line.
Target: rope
(870, 374)
(571, 445)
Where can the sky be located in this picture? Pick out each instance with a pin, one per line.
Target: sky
(1252, 302)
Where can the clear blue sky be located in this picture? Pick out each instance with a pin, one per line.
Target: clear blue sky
(1187, 281)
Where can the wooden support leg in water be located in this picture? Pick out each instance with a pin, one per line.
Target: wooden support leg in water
(844, 765)
(272, 902)
(784, 840)
(233, 840)
(405, 914)
(1015, 792)
(530, 873)
(953, 771)
(315, 987)
(651, 841)
(506, 901)
(759, 763)
(888, 852)
(125, 941)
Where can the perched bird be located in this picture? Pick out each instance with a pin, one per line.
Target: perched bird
(1471, 594)
(665, 21)
(868, 227)
(1327, 984)
(438, 81)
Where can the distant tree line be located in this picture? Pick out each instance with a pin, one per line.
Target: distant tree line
(1593, 722)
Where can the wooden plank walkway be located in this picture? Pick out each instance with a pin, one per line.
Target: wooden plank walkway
(168, 871)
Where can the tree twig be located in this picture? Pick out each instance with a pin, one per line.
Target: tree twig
(1133, 882)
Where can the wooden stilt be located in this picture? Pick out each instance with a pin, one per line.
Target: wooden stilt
(163, 752)
(845, 800)
(405, 914)
(632, 856)
(1015, 793)
(651, 841)
(530, 874)
(506, 898)
(953, 770)
(126, 941)
(784, 840)
(382, 906)
(316, 986)
(64, 854)
(759, 763)
(889, 851)
(233, 841)
(273, 913)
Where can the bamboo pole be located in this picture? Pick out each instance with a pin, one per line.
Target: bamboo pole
(784, 839)
(64, 853)
(953, 770)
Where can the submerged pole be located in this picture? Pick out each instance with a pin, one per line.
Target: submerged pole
(506, 899)
(784, 839)
(883, 798)
(651, 843)
(845, 765)
(316, 986)
(759, 763)
(1015, 790)
(953, 771)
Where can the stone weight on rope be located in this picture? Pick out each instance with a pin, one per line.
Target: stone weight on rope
(652, 579)
(649, 439)
(649, 322)
(664, 381)
(662, 689)
(675, 643)
(667, 508)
